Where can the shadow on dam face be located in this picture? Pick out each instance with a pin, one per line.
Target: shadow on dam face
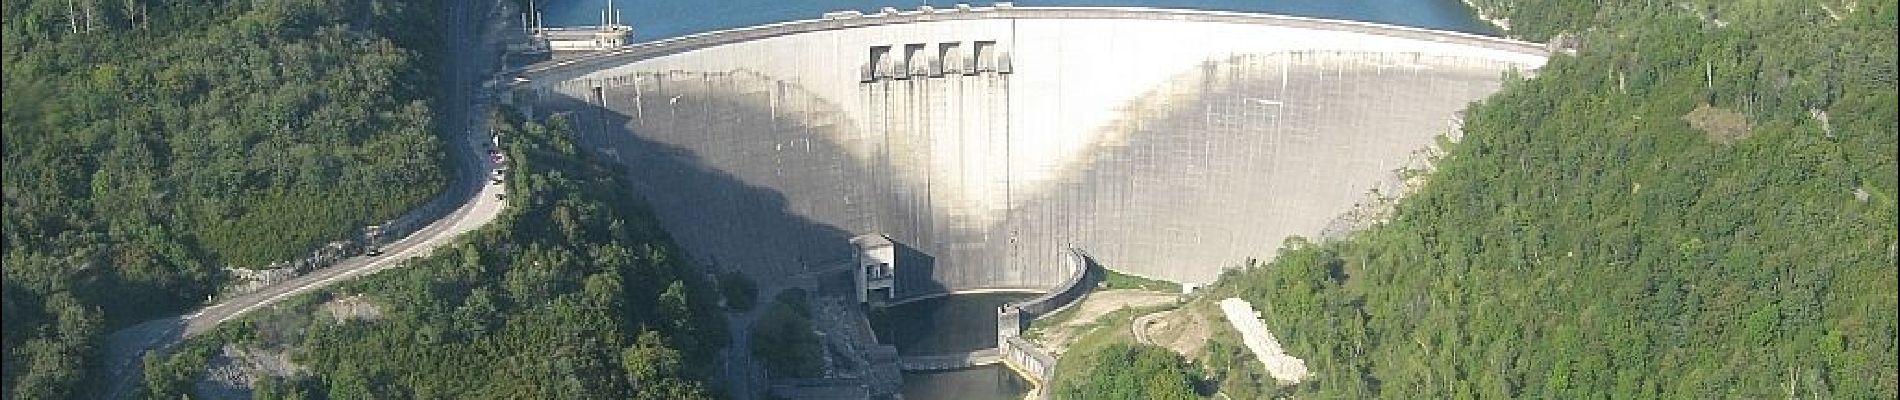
(730, 209)
(1216, 165)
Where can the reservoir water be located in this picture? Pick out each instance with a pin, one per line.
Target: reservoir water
(653, 20)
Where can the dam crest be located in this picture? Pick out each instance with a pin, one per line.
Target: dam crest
(1169, 144)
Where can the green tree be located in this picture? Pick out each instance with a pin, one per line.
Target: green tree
(1131, 371)
(784, 337)
(740, 291)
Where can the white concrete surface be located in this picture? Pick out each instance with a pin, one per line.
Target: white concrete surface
(1284, 368)
(1169, 144)
(1072, 78)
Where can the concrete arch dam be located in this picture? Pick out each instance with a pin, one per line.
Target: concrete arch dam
(1168, 143)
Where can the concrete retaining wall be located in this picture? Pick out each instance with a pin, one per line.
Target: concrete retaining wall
(1030, 362)
(1026, 358)
(1083, 274)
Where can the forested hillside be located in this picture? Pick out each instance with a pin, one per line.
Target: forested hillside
(1125, 371)
(575, 292)
(1698, 204)
(148, 144)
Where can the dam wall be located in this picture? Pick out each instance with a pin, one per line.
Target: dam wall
(1171, 144)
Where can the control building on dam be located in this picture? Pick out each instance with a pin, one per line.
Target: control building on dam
(1169, 144)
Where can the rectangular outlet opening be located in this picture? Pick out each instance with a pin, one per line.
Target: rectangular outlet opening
(879, 64)
(948, 57)
(985, 56)
(915, 62)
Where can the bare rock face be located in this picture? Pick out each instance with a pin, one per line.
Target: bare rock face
(234, 372)
(244, 280)
(1721, 124)
(352, 308)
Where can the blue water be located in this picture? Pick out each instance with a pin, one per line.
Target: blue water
(657, 19)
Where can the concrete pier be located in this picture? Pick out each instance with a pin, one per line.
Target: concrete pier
(946, 362)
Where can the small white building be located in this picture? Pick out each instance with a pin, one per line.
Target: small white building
(586, 38)
(610, 33)
(877, 266)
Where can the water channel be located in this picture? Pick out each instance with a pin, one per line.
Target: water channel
(950, 324)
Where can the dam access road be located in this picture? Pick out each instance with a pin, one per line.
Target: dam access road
(473, 58)
(1169, 144)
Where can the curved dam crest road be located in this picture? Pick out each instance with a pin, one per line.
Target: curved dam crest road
(1168, 143)
(472, 58)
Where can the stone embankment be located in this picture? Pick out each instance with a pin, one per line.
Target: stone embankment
(1285, 368)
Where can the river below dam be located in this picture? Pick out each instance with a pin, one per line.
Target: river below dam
(950, 324)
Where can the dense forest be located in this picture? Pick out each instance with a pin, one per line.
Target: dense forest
(1129, 371)
(575, 292)
(784, 340)
(150, 144)
(1698, 204)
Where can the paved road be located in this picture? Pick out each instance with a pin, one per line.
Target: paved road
(473, 56)
(1140, 326)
